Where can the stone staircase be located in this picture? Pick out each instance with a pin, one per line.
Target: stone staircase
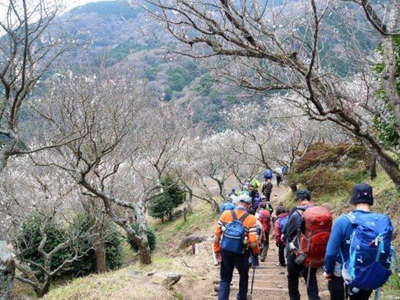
(270, 281)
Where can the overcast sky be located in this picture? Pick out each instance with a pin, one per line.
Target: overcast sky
(68, 3)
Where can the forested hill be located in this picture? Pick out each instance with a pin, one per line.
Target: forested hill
(127, 40)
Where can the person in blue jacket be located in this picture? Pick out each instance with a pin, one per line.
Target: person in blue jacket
(339, 244)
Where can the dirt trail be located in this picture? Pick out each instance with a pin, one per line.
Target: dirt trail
(270, 281)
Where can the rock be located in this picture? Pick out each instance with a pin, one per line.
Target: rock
(191, 240)
(171, 280)
(7, 271)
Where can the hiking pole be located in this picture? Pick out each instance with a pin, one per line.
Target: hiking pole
(252, 284)
(377, 294)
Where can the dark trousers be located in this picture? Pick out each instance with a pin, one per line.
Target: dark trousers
(281, 254)
(337, 290)
(309, 274)
(229, 262)
(267, 197)
(265, 246)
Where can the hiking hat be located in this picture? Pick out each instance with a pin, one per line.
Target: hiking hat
(303, 195)
(362, 193)
(244, 198)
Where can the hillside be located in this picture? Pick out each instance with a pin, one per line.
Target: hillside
(128, 41)
(199, 274)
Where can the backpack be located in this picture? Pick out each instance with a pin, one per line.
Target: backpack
(282, 223)
(313, 242)
(265, 219)
(280, 229)
(285, 170)
(234, 234)
(255, 202)
(267, 174)
(255, 183)
(368, 267)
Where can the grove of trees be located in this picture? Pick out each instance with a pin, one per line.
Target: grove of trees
(86, 156)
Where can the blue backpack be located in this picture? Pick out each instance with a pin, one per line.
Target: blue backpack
(368, 267)
(234, 234)
(267, 174)
(282, 223)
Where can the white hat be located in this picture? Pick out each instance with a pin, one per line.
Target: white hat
(245, 198)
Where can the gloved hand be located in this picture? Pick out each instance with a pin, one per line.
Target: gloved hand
(254, 261)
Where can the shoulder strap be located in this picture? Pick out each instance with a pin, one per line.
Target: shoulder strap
(243, 217)
(351, 217)
(234, 216)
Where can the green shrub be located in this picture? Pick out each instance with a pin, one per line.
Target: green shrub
(29, 237)
(151, 237)
(322, 180)
(112, 244)
(163, 205)
(328, 155)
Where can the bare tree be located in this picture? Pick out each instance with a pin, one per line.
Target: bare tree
(27, 51)
(103, 111)
(46, 194)
(39, 274)
(281, 47)
(211, 165)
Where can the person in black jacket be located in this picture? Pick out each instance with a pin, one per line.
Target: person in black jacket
(295, 268)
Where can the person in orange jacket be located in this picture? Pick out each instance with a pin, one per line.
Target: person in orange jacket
(229, 259)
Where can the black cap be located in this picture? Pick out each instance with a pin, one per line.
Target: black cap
(362, 193)
(303, 195)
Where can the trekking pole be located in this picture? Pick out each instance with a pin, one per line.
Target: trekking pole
(252, 283)
(377, 294)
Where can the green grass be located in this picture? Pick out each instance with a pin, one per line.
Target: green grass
(198, 220)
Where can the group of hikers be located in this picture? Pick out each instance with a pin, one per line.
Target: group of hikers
(355, 252)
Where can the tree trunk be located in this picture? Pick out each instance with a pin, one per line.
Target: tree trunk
(7, 271)
(189, 201)
(215, 206)
(371, 166)
(388, 164)
(43, 290)
(100, 253)
(185, 214)
(144, 254)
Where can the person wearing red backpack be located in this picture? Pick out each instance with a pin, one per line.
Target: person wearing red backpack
(282, 217)
(358, 255)
(264, 216)
(306, 235)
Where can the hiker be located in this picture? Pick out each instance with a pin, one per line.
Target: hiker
(296, 267)
(278, 179)
(285, 170)
(350, 234)
(282, 217)
(264, 216)
(254, 195)
(266, 188)
(238, 231)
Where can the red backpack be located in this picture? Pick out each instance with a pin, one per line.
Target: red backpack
(318, 223)
(265, 219)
